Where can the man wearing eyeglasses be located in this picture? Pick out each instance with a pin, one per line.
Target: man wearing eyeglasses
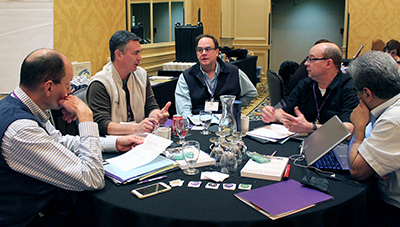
(38, 165)
(325, 93)
(200, 86)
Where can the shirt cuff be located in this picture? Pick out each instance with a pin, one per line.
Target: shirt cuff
(108, 143)
(88, 128)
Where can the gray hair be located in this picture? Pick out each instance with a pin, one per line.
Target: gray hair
(376, 71)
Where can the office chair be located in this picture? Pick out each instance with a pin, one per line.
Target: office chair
(275, 87)
(377, 44)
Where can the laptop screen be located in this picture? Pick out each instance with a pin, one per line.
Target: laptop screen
(324, 139)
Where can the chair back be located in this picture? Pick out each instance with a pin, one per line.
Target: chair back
(377, 44)
(275, 87)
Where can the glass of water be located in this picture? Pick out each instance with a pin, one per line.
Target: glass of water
(205, 118)
(191, 152)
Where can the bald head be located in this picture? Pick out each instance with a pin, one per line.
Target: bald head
(330, 50)
(40, 66)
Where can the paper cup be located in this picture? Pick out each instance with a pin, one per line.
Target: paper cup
(244, 123)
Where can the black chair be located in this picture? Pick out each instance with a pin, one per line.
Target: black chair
(275, 87)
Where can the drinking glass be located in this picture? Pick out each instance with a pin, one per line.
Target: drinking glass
(182, 128)
(216, 151)
(205, 118)
(191, 152)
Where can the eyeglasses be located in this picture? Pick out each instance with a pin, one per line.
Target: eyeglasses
(207, 49)
(315, 59)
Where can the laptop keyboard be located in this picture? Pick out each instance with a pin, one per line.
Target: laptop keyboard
(328, 162)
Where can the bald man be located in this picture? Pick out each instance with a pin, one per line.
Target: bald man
(325, 93)
(38, 165)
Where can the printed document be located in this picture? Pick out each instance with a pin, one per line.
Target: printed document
(142, 154)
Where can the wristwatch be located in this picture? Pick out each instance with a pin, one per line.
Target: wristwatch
(314, 127)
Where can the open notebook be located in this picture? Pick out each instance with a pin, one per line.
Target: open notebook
(323, 140)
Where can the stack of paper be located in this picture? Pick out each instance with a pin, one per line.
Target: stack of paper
(272, 170)
(272, 132)
(159, 165)
(204, 160)
(143, 159)
(282, 199)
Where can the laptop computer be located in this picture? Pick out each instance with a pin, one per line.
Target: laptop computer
(326, 140)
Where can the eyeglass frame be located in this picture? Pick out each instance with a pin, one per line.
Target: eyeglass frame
(208, 49)
(310, 60)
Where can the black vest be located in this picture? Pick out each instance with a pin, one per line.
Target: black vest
(21, 196)
(227, 84)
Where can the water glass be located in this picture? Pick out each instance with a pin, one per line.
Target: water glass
(205, 118)
(191, 152)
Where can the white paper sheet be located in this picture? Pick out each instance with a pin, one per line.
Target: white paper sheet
(195, 119)
(272, 132)
(142, 154)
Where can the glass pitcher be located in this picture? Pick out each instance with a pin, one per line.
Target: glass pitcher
(227, 123)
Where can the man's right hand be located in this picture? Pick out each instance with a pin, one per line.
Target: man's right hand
(147, 125)
(268, 114)
(73, 107)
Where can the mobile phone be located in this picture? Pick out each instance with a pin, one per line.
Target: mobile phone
(150, 190)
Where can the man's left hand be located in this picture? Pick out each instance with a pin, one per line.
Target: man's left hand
(296, 124)
(126, 143)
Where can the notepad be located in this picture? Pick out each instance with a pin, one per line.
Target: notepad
(272, 170)
(282, 199)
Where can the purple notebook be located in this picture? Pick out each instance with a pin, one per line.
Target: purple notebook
(283, 197)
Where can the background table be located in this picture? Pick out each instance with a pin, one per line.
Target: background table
(184, 206)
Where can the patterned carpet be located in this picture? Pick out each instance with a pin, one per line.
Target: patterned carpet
(254, 109)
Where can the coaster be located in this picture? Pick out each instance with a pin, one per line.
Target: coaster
(229, 186)
(211, 185)
(194, 184)
(245, 186)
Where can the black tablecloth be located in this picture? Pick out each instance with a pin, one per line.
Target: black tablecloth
(184, 206)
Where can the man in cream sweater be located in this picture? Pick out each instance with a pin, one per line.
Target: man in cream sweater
(121, 92)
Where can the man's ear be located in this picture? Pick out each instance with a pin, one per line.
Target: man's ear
(368, 94)
(48, 87)
(117, 53)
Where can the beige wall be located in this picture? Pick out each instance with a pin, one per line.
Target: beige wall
(370, 20)
(251, 29)
(82, 28)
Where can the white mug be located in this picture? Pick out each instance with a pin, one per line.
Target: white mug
(244, 123)
(164, 132)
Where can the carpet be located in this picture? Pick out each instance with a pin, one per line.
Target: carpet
(253, 110)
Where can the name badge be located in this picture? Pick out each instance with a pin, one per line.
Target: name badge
(210, 105)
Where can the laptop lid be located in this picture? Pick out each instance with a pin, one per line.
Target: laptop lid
(323, 140)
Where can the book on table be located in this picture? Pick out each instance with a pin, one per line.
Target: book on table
(272, 170)
(282, 199)
(159, 165)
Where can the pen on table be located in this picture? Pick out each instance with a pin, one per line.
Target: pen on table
(272, 155)
(287, 172)
(152, 179)
(216, 116)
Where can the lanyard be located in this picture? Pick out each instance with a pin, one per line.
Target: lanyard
(211, 89)
(316, 103)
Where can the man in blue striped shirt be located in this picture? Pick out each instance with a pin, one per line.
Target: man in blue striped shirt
(38, 165)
